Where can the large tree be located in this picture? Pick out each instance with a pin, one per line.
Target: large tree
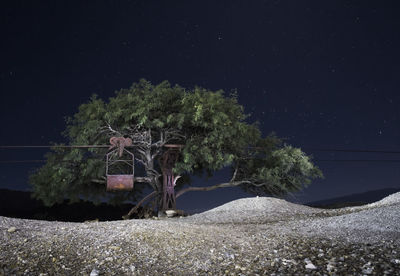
(211, 127)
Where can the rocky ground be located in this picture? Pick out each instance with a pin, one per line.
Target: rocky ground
(253, 236)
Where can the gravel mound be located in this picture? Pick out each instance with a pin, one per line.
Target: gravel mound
(254, 210)
(366, 224)
(271, 237)
(391, 199)
(370, 223)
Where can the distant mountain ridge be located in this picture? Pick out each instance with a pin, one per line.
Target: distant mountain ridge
(354, 199)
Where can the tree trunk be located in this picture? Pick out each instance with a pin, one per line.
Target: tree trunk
(160, 212)
(159, 196)
(155, 183)
(157, 192)
(134, 209)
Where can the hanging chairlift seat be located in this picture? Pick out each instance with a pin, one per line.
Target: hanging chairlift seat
(119, 182)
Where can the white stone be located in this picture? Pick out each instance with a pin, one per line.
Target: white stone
(12, 229)
(330, 267)
(310, 266)
(367, 268)
(94, 272)
(170, 213)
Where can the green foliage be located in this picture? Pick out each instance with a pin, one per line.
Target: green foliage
(211, 126)
(68, 175)
(284, 170)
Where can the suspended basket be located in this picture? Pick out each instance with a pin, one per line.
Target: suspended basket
(120, 181)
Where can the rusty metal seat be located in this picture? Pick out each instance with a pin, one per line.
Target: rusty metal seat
(120, 182)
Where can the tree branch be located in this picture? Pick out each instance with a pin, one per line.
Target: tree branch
(99, 181)
(149, 136)
(140, 161)
(158, 151)
(134, 209)
(234, 174)
(210, 188)
(142, 179)
(176, 179)
(172, 134)
(153, 171)
(112, 130)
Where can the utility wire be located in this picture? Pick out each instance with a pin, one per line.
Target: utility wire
(351, 150)
(357, 160)
(78, 146)
(21, 161)
(107, 146)
(307, 149)
(316, 160)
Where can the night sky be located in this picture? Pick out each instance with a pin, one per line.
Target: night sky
(322, 74)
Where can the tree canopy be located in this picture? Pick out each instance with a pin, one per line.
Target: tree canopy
(211, 126)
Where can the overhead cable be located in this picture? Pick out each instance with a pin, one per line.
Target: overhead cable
(107, 146)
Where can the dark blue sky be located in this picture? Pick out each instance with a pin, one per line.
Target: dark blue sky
(323, 74)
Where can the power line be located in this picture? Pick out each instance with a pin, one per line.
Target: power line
(72, 146)
(21, 161)
(342, 150)
(357, 160)
(316, 160)
(107, 146)
(307, 149)
(351, 150)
